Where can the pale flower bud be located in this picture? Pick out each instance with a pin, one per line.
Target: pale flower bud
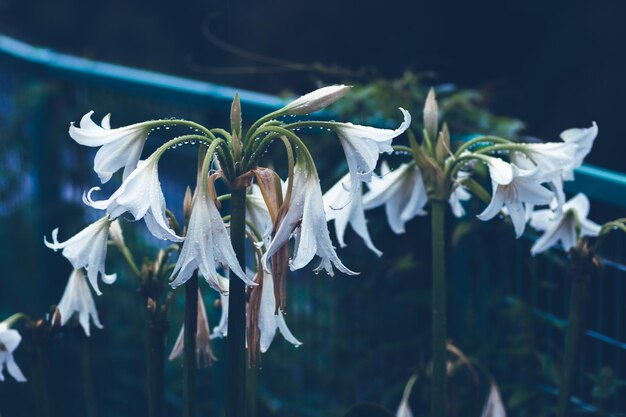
(115, 232)
(316, 100)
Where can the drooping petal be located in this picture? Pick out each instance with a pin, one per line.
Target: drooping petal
(583, 138)
(501, 172)
(269, 321)
(494, 407)
(77, 298)
(120, 148)
(9, 341)
(87, 249)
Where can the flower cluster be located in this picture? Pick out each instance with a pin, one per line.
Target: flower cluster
(278, 211)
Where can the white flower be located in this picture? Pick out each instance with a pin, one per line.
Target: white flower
(121, 147)
(514, 188)
(402, 191)
(583, 138)
(204, 353)
(221, 330)
(9, 341)
(140, 194)
(257, 213)
(206, 245)
(403, 408)
(269, 320)
(494, 407)
(458, 194)
(316, 100)
(115, 232)
(352, 212)
(563, 226)
(87, 249)
(550, 159)
(362, 146)
(305, 217)
(77, 298)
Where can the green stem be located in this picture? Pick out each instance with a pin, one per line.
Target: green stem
(41, 372)
(89, 392)
(156, 361)
(577, 303)
(480, 139)
(438, 393)
(191, 328)
(236, 342)
(253, 376)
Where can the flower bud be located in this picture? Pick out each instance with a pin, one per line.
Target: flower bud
(115, 232)
(431, 115)
(316, 100)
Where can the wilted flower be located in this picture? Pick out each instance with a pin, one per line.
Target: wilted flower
(87, 249)
(204, 353)
(206, 245)
(514, 188)
(305, 217)
(9, 341)
(362, 146)
(140, 194)
(77, 298)
(121, 147)
(316, 100)
(351, 212)
(565, 227)
(402, 192)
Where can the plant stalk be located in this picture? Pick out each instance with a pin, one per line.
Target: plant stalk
(189, 351)
(577, 304)
(41, 378)
(438, 390)
(236, 342)
(89, 392)
(156, 362)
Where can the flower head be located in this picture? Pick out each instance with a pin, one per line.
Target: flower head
(139, 194)
(204, 352)
(363, 144)
(9, 341)
(565, 227)
(120, 147)
(305, 217)
(77, 298)
(583, 138)
(269, 320)
(206, 245)
(513, 188)
(87, 249)
(350, 213)
(402, 191)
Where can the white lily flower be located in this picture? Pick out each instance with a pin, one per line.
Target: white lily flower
(583, 138)
(204, 352)
(402, 191)
(206, 245)
(257, 213)
(9, 341)
(269, 320)
(563, 227)
(316, 100)
(120, 147)
(87, 249)
(362, 146)
(523, 188)
(458, 194)
(352, 212)
(221, 330)
(305, 217)
(77, 298)
(140, 194)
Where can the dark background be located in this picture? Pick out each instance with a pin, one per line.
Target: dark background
(552, 64)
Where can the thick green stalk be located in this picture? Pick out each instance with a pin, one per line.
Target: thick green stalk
(438, 392)
(41, 377)
(156, 362)
(577, 303)
(236, 353)
(89, 392)
(189, 351)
